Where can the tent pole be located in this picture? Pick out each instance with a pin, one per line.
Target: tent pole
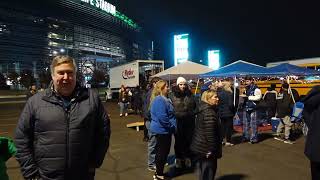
(289, 89)
(234, 90)
(195, 92)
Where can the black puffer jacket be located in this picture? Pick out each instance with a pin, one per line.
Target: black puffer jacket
(207, 134)
(58, 142)
(284, 105)
(226, 107)
(183, 102)
(311, 114)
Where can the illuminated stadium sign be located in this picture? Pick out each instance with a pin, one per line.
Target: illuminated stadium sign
(111, 9)
(181, 48)
(214, 59)
(103, 5)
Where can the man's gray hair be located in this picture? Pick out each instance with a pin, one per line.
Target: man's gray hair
(63, 59)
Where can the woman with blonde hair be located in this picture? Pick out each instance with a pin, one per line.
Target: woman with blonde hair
(163, 124)
(227, 111)
(206, 143)
(227, 86)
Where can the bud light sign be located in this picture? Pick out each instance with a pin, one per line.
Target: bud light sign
(128, 74)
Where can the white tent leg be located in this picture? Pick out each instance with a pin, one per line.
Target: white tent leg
(195, 92)
(234, 91)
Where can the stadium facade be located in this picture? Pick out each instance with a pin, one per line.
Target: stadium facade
(91, 31)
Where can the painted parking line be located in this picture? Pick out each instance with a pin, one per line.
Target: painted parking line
(12, 102)
(8, 124)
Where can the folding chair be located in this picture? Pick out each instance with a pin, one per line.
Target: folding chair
(297, 119)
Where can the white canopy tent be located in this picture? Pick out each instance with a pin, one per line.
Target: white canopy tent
(188, 70)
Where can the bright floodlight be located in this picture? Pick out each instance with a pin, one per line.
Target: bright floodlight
(181, 48)
(214, 59)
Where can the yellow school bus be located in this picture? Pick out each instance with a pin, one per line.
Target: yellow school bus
(303, 85)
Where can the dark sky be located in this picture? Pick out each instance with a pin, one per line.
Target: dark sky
(257, 31)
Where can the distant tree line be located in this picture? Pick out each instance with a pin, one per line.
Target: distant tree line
(26, 79)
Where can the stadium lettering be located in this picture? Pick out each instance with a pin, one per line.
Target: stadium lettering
(102, 4)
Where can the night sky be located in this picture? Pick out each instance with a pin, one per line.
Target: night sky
(255, 31)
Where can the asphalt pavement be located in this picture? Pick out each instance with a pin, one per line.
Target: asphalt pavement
(127, 155)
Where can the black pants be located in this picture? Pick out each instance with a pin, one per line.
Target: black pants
(162, 151)
(271, 112)
(227, 127)
(207, 168)
(145, 130)
(315, 170)
(183, 138)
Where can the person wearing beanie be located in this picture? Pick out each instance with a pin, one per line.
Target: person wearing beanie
(270, 99)
(181, 80)
(284, 108)
(184, 105)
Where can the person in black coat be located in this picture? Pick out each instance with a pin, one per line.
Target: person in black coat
(137, 100)
(270, 98)
(206, 142)
(311, 114)
(227, 110)
(284, 110)
(184, 105)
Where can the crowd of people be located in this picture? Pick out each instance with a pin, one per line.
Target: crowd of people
(202, 126)
(63, 131)
(194, 123)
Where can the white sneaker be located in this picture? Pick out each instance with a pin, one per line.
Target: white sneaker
(287, 141)
(153, 169)
(229, 144)
(126, 114)
(157, 177)
(120, 115)
(278, 138)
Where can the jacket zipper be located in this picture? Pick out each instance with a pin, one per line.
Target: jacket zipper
(67, 114)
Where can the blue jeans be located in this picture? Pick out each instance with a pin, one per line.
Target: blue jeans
(250, 121)
(151, 146)
(123, 107)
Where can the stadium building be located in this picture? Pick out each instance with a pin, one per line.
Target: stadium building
(91, 31)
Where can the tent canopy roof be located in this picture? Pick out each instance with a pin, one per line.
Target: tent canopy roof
(289, 69)
(237, 68)
(188, 70)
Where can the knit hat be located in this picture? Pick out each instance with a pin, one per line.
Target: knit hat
(181, 80)
(285, 85)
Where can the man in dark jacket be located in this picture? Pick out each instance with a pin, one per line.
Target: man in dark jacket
(284, 108)
(184, 106)
(32, 91)
(270, 99)
(63, 132)
(311, 114)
